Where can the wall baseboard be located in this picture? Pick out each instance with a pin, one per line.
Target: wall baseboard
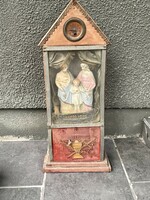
(31, 124)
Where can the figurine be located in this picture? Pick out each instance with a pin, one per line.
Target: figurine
(63, 81)
(75, 94)
(76, 90)
(87, 80)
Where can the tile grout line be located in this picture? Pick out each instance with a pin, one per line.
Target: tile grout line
(138, 182)
(43, 187)
(126, 174)
(21, 187)
(19, 140)
(44, 183)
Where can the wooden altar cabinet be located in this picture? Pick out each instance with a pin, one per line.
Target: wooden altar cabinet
(74, 55)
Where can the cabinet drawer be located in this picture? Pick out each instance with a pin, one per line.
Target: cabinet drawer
(76, 144)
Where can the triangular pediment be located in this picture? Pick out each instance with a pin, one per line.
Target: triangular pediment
(55, 35)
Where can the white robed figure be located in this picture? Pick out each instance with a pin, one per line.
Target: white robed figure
(64, 81)
(76, 89)
(87, 80)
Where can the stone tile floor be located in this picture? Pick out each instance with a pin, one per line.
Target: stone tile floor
(21, 177)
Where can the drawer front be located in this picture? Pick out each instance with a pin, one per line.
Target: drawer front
(76, 144)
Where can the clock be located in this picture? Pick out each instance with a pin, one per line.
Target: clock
(74, 29)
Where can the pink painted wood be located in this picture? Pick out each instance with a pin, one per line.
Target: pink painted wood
(76, 144)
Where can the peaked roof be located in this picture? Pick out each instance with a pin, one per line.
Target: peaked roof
(55, 36)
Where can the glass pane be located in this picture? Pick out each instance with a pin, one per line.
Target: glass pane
(75, 86)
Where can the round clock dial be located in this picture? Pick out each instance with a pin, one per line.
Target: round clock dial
(74, 29)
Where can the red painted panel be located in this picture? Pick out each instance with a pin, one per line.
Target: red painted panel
(76, 144)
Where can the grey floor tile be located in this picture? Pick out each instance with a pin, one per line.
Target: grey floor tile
(136, 158)
(90, 186)
(142, 190)
(20, 194)
(21, 163)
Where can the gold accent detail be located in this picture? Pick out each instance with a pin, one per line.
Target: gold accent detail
(77, 147)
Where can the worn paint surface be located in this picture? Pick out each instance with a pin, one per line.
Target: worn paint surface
(93, 35)
(76, 144)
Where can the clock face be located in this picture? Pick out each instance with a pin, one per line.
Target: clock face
(74, 29)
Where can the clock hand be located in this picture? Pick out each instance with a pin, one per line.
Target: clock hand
(74, 31)
(73, 28)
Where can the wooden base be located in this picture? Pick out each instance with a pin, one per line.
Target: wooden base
(97, 166)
